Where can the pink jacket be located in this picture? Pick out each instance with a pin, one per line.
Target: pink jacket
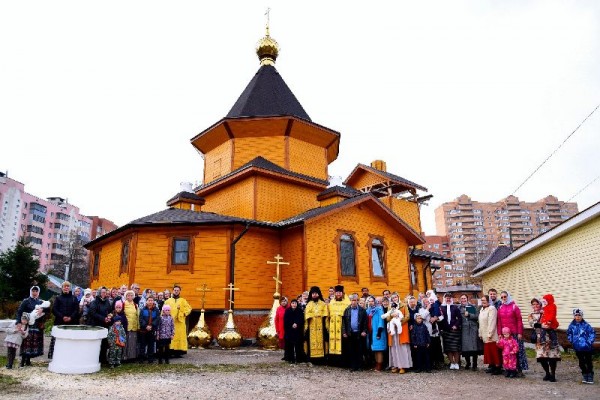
(509, 315)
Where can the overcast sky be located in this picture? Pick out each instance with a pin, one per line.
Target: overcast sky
(99, 100)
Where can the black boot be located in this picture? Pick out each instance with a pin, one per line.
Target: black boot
(22, 361)
(497, 371)
(474, 363)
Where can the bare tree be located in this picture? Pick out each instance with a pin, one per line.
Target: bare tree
(71, 263)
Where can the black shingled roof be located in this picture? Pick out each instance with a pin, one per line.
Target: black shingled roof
(499, 254)
(393, 177)
(342, 190)
(263, 163)
(176, 215)
(319, 210)
(429, 254)
(267, 95)
(185, 195)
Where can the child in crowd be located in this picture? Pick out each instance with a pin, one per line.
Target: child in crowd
(582, 336)
(548, 321)
(510, 348)
(15, 333)
(84, 305)
(420, 340)
(116, 342)
(166, 333)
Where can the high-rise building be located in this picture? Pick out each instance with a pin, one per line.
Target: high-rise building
(49, 225)
(474, 229)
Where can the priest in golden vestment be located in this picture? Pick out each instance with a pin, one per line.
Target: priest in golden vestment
(180, 309)
(315, 325)
(337, 306)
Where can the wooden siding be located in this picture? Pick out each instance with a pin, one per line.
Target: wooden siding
(331, 200)
(247, 149)
(364, 179)
(308, 159)
(408, 211)
(253, 276)
(568, 267)
(110, 265)
(292, 251)
(276, 200)
(217, 162)
(236, 200)
(322, 257)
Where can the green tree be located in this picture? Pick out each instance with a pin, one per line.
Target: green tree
(19, 270)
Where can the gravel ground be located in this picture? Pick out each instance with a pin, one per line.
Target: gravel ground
(239, 374)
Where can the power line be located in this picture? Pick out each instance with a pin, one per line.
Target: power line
(585, 187)
(555, 150)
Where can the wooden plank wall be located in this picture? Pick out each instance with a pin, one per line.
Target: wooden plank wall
(217, 162)
(236, 200)
(292, 251)
(278, 200)
(307, 159)
(322, 256)
(408, 211)
(246, 149)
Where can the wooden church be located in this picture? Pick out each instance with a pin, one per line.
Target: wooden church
(265, 192)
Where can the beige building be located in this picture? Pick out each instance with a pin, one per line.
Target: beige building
(564, 261)
(475, 228)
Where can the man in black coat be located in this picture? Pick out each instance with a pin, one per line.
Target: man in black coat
(65, 310)
(99, 314)
(354, 327)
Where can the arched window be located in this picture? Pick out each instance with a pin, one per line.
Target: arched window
(413, 275)
(377, 261)
(347, 255)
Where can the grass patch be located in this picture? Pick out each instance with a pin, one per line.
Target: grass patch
(140, 369)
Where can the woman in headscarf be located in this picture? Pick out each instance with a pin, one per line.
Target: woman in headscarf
(488, 333)
(33, 344)
(400, 357)
(509, 316)
(130, 309)
(451, 323)
(378, 334)
(471, 345)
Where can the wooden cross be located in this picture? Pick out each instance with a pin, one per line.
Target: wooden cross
(203, 289)
(277, 279)
(230, 288)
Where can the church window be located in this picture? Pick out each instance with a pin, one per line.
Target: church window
(377, 260)
(125, 247)
(181, 253)
(96, 265)
(347, 255)
(413, 275)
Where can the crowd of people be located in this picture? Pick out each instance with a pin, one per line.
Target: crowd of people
(414, 333)
(356, 332)
(140, 327)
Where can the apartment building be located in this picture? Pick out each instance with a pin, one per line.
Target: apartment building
(47, 224)
(474, 229)
(444, 272)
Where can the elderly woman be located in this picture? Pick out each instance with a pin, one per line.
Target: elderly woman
(471, 345)
(488, 333)
(130, 309)
(509, 316)
(450, 325)
(33, 344)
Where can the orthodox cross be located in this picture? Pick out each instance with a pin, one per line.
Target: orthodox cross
(278, 262)
(268, 19)
(203, 289)
(230, 289)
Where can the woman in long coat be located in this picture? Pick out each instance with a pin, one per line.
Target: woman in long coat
(451, 325)
(378, 335)
(509, 315)
(488, 333)
(471, 345)
(33, 344)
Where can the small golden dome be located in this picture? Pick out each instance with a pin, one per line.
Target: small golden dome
(267, 50)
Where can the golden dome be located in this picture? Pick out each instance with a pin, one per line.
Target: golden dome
(267, 50)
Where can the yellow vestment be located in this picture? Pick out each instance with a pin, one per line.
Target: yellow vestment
(315, 317)
(336, 315)
(179, 342)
